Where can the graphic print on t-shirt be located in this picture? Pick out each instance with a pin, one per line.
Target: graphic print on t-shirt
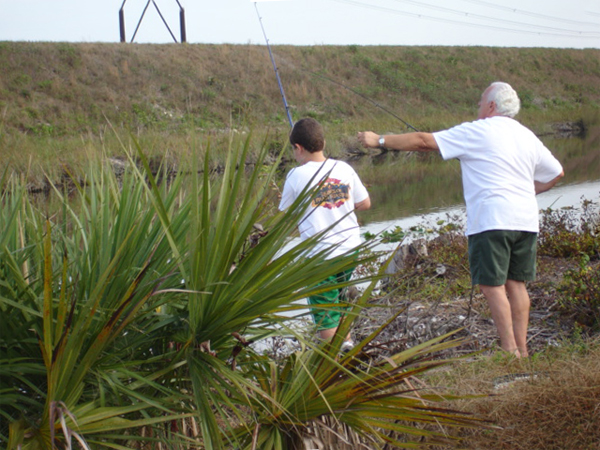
(332, 194)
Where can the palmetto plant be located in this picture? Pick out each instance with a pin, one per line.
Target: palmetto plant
(129, 307)
(349, 400)
(79, 332)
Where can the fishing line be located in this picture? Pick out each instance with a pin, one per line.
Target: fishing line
(281, 90)
(285, 103)
(354, 91)
(373, 102)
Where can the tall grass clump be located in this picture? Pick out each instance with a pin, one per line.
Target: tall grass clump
(128, 313)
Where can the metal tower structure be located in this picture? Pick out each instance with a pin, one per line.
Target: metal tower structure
(181, 21)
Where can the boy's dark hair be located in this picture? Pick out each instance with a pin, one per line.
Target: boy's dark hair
(309, 134)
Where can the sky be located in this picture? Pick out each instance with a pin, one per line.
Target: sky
(502, 23)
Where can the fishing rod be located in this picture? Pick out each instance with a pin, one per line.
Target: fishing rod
(285, 103)
(354, 91)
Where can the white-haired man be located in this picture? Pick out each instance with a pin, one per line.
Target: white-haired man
(504, 165)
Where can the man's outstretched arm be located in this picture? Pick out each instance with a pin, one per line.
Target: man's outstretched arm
(419, 141)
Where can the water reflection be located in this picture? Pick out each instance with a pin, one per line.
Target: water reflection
(559, 197)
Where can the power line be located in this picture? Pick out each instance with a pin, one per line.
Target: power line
(494, 19)
(463, 23)
(533, 14)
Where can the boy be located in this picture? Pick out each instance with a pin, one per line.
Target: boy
(340, 195)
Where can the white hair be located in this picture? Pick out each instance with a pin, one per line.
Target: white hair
(506, 99)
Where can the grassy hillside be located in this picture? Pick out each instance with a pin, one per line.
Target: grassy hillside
(60, 88)
(59, 98)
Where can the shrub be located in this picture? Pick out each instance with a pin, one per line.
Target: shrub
(568, 232)
(579, 293)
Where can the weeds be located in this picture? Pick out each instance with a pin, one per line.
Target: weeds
(555, 408)
(579, 293)
(569, 232)
(436, 264)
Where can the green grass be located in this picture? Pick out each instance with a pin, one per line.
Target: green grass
(175, 94)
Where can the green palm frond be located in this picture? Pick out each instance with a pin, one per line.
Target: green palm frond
(130, 307)
(78, 292)
(373, 399)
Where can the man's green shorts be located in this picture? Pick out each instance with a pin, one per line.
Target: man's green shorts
(499, 255)
(329, 317)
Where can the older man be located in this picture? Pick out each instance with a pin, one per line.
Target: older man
(504, 165)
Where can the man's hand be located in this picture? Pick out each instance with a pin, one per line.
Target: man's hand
(368, 139)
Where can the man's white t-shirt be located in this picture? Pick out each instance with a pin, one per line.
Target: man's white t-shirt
(499, 160)
(334, 203)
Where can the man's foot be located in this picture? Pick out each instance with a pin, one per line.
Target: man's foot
(518, 354)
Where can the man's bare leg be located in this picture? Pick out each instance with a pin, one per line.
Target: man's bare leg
(502, 315)
(519, 308)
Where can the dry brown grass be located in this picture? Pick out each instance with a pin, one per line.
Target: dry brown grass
(557, 409)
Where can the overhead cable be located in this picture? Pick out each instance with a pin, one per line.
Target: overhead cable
(495, 19)
(533, 14)
(584, 35)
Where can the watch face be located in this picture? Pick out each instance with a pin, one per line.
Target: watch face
(381, 141)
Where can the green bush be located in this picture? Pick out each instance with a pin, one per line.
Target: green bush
(566, 233)
(579, 293)
(128, 308)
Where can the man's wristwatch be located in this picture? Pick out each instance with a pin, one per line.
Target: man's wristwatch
(381, 141)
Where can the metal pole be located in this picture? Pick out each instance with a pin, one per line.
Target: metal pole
(164, 21)
(122, 22)
(140, 22)
(122, 25)
(182, 24)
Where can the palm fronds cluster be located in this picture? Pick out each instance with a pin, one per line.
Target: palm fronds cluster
(127, 311)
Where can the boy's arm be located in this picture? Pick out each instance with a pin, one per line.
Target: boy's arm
(365, 204)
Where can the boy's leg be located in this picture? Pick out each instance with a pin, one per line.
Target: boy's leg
(328, 319)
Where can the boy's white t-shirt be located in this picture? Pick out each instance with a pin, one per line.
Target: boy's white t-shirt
(499, 159)
(334, 203)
